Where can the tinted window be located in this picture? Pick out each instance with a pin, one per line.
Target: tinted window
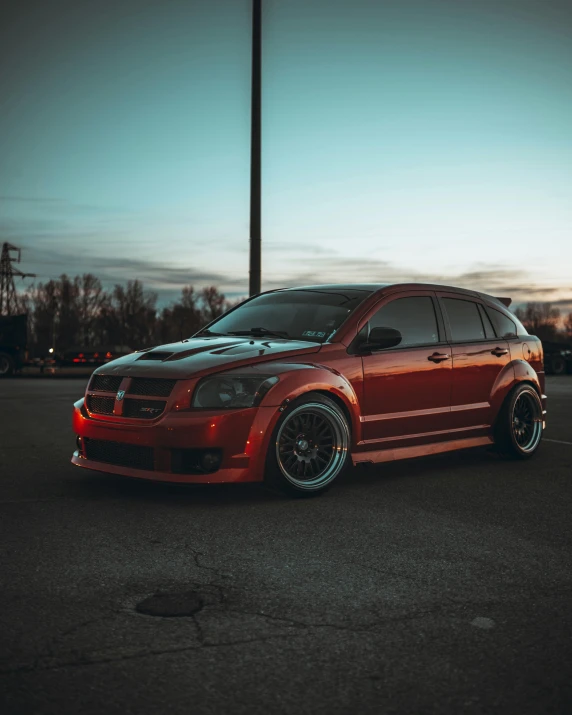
(413, 317)
(464, 320)
(489, 332)
(302, 314)
(504, 327)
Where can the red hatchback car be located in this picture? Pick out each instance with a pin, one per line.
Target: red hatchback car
(293, 385)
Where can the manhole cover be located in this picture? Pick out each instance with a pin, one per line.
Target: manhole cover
(173, 605)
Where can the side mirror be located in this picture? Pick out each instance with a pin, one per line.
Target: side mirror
(381, 338)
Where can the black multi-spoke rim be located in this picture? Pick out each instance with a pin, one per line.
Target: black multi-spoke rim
(526, 422)
(311, 446)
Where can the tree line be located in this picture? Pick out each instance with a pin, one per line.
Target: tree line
(79, 312)
(69, 312)
(546, 321)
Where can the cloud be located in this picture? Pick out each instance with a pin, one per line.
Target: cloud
(120, 269)
(60, 206)
(291, 248)
(32, 199)
(116, 257)
(516, 283)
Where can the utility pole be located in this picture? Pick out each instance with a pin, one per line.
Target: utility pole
(255, 147)
(9, 304)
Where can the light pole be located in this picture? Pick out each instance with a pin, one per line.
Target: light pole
(255, 146)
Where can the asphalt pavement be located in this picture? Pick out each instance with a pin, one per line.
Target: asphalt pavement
(441, 585)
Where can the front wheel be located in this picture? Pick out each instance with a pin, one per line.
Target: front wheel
(309, 447)
(6, 365)
(520, 423)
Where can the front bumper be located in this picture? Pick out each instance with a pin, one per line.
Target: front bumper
(242, 435)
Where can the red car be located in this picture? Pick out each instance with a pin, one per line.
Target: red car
(294, 385)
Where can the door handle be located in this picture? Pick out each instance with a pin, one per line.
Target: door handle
(499, 351)
(438, 357)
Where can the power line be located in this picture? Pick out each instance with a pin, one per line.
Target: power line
(9, 303)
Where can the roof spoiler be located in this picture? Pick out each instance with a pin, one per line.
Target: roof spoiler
(505, 301)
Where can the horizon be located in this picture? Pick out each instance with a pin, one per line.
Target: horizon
(424, 142)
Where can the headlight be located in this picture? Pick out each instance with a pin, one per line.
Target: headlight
(231, 391)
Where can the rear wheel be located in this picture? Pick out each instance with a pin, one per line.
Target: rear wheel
(6, 364)
(309, 447)
(557, 365)
(519, 426)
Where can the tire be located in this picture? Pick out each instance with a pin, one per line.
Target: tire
(519, 428)
(309, 448)
(6, 365)
(557, 365)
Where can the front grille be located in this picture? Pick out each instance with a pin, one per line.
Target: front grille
(151, 386)
(100, 405)
(105, 383)
(123, 455)
(143, 409)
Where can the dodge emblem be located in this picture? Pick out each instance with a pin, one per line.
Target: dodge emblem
(120, 395)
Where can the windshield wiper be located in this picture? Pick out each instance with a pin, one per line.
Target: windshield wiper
(261, 333)
(207, 332)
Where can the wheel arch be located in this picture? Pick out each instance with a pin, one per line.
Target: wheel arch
(514, 373)
(501, 399)
(339, 402)
(322, 381)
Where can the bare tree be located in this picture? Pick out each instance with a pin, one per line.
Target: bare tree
(80, 312)
(213, 303)
(540, 319)
(568, 326)
(90, 301)
(128, 316)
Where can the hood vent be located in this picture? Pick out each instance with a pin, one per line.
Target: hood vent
(155, 356)
(200, 349)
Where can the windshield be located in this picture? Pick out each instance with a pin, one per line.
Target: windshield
(312, 315)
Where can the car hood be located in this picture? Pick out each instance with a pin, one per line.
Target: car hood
(201, 356)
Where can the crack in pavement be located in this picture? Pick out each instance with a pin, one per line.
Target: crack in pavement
(86, 661)
(44, 660)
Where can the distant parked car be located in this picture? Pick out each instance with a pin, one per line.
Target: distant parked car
(293, 385)
(78, 355)
(13, 339)
(557, 357)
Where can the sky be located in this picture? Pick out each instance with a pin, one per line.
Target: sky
(402, 141)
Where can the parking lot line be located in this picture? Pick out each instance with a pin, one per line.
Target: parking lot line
(558, 441)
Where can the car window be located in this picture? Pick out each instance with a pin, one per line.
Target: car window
(504, 326)
(464, 320)
(489, 332)
(414, 317)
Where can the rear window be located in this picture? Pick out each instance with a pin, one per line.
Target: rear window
(504, 326)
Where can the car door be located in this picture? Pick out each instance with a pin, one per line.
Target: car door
(478, 359)
(407, 388)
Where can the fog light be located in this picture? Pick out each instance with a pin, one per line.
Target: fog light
(79, 442)
(210, 461)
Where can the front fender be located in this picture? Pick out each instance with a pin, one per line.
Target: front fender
(295, 383)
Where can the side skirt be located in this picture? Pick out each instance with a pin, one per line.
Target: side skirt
(420, 450)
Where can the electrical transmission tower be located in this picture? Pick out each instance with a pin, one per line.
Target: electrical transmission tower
(9, 304)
